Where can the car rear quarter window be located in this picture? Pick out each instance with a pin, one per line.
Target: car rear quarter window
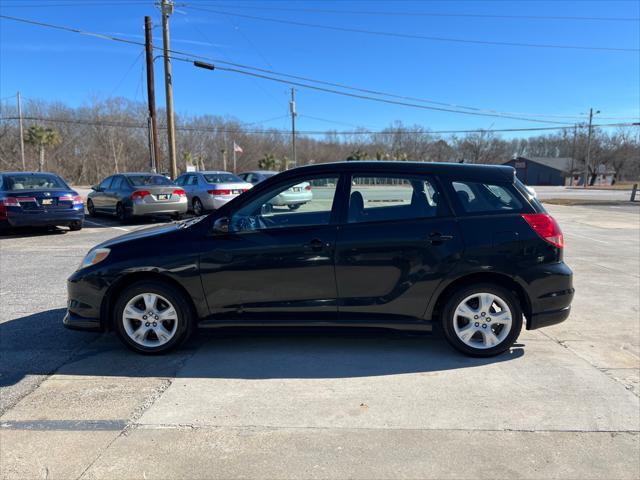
(478, 197)
(116, 184)
(378, 198)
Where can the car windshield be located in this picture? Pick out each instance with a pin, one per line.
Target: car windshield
(144, 180)
(32, 182)
(222, 178)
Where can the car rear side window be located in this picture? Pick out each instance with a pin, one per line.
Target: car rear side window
(383, 198)
(116, 184)
(476, 197)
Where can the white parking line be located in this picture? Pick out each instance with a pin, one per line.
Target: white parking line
(573, 234)
(91, 222)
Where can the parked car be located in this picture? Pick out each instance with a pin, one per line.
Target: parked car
(211, 190)
(256, 176)
(30, 199)
(400, 245)
(129, 195)
(293, 198)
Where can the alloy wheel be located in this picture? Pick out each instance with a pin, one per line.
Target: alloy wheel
(482, 320)
(150, 320)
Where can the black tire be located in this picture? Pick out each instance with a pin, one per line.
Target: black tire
(75, 226)
(294, 207)
(198, 208)
(91, 208)
(5, 229)
(185, 316)
(121, 214)
(447, 319)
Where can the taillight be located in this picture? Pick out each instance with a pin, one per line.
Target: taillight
(180, 192)
(308, 187)
(75, 199)
(545, 226)
(140, 194)
(13, 201)
(7, 202)
(219, 192)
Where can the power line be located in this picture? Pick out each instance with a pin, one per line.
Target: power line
(390, 131)
(454, 108)
(420, 14)
(413, 36)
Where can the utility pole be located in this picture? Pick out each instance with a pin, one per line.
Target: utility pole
(224, 159)
(573, 154)
(292, 107)
(587, 161)
(24, 165)
(167, 10)
(154, 151)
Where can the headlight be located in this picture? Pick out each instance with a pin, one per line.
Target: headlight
(94, 256)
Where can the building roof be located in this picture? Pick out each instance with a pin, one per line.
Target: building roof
(558, 163)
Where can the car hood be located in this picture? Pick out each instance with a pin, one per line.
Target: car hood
(152, 232)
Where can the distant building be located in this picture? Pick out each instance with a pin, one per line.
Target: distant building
(546, 170)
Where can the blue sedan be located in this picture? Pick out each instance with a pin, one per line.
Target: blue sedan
(36, 199)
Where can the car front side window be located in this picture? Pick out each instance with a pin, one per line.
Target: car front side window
(297, 203)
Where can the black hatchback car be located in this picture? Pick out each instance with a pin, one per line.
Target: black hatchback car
(399, 245)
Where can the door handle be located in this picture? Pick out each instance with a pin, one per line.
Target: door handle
(315, 245)
(437, 238)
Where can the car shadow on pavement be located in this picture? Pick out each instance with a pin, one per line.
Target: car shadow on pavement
(38, 344)
(25, 232)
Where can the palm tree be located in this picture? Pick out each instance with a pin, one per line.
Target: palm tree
(41, 138)
(268, 162)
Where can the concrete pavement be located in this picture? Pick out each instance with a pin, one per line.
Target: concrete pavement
(564, 403)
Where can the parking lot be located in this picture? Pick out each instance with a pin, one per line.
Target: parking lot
(323, 403)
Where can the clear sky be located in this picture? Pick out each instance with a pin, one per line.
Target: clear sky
(59, 66)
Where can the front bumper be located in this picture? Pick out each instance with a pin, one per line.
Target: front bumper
(41, 218)
(76, 322)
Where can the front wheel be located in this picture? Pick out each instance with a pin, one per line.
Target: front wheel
(482, 320)
(152, 317)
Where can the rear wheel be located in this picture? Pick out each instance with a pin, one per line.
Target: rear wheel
(91, 208)
(198, 208)
(482, 320)
(121, 213)
(152, 317)
(75, 226)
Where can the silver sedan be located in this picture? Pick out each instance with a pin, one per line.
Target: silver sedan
(211, 190)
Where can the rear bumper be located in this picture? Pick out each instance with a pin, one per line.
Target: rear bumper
(550, 290)
(545, 319)
(169, 208)
(40, 218)
(292, 198)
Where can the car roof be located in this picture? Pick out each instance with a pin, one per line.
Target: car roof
(467, 171)
(213, 172)
(135, 174)
(29, 173)
(261, 171)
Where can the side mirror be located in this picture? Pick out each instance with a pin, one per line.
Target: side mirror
(266, 209)
(221, 226)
